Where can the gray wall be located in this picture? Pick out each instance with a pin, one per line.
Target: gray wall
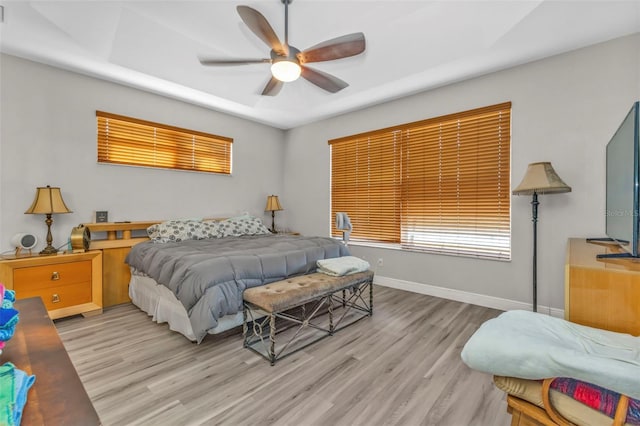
(565, 109)
(48, 137)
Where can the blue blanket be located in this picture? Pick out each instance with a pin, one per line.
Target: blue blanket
(535, 346)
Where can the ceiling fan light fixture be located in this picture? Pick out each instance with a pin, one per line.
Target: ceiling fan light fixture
(286, 70)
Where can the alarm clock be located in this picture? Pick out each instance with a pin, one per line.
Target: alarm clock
(80, 239)
(23, 241)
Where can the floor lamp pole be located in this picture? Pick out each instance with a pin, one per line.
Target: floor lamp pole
(534, 219)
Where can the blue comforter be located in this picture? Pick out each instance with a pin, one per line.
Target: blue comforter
(208, 276)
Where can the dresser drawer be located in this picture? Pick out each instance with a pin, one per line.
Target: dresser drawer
(51, 276)
(56, 297)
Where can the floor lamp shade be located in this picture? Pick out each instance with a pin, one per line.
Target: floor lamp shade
(540, 178)
(48, 201)
(273, 205)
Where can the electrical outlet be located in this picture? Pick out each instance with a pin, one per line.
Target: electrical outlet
(380, 262)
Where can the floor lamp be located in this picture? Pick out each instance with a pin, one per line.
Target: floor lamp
(540, 178)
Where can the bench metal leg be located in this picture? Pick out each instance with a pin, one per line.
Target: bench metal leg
(245, 328)
(330, 301)
(370, 284)
(272, 338)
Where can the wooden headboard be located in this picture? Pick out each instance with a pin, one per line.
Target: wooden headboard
(115, 240)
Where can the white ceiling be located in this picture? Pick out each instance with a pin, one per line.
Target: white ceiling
(412, 46)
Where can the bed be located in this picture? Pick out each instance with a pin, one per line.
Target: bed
(195, 283)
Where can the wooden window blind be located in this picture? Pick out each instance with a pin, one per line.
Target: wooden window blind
(438, 185)
(130, 141)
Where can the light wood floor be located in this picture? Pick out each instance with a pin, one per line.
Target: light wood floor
(400, 367)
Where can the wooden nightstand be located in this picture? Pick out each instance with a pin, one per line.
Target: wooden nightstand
(68, 284)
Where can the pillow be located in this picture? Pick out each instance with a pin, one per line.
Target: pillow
(208, 229)
(175, 231)
(242, 225)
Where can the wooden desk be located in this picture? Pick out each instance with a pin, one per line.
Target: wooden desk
(601, 293)
(57, 397)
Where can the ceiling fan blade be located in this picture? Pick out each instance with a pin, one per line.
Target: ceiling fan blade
(273, 87)
(337, 48)
(228, 62)
(260, 27)
(323, 80)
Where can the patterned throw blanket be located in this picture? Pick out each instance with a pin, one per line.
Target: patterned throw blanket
(596, 397)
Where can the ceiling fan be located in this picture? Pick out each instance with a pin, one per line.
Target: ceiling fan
(287, 62)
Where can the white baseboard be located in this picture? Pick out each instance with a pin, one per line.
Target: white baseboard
(465, 297)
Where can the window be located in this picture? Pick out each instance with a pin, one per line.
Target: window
(439, 185)
(125, 140)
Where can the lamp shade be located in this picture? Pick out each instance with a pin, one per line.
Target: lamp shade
(48, 200)
(541, 178)
(273, 204)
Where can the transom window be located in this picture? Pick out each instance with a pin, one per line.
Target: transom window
(134, 142)
(438, 185)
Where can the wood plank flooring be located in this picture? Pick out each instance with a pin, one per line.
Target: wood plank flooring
(400, 367)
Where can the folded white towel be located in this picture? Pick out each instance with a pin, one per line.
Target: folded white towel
(340, 266)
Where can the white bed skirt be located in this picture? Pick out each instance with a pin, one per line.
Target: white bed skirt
(161, 304)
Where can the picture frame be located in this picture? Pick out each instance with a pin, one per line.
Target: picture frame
(102, 216)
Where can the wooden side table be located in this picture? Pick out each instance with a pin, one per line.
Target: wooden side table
(69, 284)
(57, 397)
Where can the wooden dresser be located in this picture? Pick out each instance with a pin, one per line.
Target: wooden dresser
(69, 284)
(601, 293)
(57, 397)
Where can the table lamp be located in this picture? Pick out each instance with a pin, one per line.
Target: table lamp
(48, 201)
(273, 205)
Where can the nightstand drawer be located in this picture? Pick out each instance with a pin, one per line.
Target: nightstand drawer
(50, 276)
(56, 297)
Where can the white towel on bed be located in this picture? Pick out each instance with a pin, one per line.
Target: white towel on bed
(339, 266)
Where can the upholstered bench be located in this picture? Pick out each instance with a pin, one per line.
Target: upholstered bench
(299, 302)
